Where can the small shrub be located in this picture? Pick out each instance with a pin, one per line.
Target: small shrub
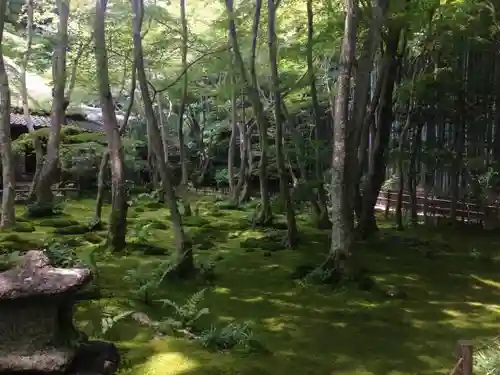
(73, 229)
(58, 223)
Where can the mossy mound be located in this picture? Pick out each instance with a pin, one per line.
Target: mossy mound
(14, 242)
(152, 223)
(194, 221)
(273, 241)
(58, 222)
(92, 237)
(147, 249)
(154, 206)
(72, 229)
(23, 228)
(227, 205)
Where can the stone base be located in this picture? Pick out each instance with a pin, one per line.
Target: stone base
(92, 358)
(95, 358)
(52, 359)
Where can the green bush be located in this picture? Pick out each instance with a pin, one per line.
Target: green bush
(72, 229)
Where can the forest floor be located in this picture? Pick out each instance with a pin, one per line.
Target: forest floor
(449, 281)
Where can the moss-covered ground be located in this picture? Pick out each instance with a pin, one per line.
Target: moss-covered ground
(450, 285)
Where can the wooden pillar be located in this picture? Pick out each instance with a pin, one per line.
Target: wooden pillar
(464, 353)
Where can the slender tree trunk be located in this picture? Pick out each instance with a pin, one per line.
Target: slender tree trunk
(182, 110)
(118, 217)
(232, 140)
(184, 254)
(8, 216)
(49, 170)
(339, 250)
(265, 214)
(285, 191)
(105, 157)
(37, 145)
(380, 144)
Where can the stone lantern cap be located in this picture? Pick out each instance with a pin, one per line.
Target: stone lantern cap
(36, 277)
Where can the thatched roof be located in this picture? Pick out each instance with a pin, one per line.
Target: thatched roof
(41, 119)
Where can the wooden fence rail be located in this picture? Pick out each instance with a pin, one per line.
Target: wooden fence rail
(437, 206)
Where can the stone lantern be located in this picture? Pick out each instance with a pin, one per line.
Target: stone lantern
(37, 333)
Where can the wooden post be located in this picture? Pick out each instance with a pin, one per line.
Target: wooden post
(387, 203)
(464, 351)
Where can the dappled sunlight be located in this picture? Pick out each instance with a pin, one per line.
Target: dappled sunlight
(306, 327)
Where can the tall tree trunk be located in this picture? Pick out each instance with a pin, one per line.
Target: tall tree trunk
(49, 170)
(183, 252)
(232, 140)
(8, 216)
(383, 119)
(265, 214)
(320, 209)
(273, 61)
(105, 157)
(118, 217)
(37, 145)
(182, 110)
(340, 207)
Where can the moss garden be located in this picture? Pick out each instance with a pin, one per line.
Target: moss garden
(252, 311)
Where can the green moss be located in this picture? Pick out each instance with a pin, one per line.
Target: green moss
(310, 329)
(153, 224)
(72, 229)
(154, 205)
(21, 227)
(15, 242)
(92, 237)
(58, 222)
(194, 221)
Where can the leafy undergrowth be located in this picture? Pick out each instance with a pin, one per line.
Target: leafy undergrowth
(438, 288)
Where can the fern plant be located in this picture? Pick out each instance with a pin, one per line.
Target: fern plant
(186, 315)
(228, 337)
(149, 280)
